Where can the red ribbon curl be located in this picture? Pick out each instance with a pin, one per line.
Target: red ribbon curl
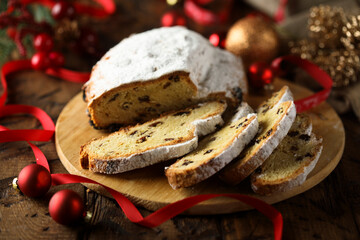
(204, 16)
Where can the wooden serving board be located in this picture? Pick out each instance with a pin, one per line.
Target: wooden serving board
(148, 187)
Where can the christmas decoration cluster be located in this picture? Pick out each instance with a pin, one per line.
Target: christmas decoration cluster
(333, 44)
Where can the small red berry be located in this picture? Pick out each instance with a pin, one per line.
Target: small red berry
(40, 61)
(11, 32)
(43, 42)
(63, 9)
(56, 59)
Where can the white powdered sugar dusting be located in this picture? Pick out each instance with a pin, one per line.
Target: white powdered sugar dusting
(152, 54)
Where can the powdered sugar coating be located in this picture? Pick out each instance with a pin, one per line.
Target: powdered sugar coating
(152, 54)
(243, 110)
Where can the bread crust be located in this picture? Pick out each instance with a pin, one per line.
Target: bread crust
(242, 167)
(212, 163)
(92, 106)
(210, 72)
(151, 155)
(297, 178)
(283, 95)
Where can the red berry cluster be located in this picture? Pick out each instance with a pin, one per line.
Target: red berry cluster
(43, 43)
(44, 57)
(19, 22)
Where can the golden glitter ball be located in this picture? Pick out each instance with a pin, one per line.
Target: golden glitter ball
(253, 39)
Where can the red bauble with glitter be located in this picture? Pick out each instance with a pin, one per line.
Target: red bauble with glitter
(34, 180)
(66, 207)
(173, 18)
(40, 61)
(43, 42)
(260, 74)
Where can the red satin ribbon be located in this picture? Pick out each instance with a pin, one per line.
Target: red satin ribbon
(194, 10)
(316, 73)
(45, 134)
(280, 13)
(204, 16)
(171, 210)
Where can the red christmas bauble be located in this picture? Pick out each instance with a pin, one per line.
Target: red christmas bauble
(40, 61)
(173, 18)
(63, 9)
(218, 39)
(56, 59)
(66, 207)
(34, 180)
(43, 42)
(260, 74)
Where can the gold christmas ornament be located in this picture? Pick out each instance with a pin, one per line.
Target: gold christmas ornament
(333, 44)
(253, 39)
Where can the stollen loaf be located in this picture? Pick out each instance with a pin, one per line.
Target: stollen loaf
(160, 70)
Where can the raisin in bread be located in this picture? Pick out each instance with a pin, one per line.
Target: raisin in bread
(160, 70)
(283, 95)
(214, 151)
(291, 162)
(169, 136)
(274, 124)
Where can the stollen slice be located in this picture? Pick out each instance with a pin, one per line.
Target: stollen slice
(242, 111)
(274, 125)
(167, 137)
(291, 162)
(283, 95)
(213, 153)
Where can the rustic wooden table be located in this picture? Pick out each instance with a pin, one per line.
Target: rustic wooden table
(330, 210)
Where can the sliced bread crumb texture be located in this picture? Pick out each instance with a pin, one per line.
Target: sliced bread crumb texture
(213, 153)
(291, 162)
(169, 136)
(274, 124)
(283, 95)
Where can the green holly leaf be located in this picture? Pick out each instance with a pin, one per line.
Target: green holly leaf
(41, 13)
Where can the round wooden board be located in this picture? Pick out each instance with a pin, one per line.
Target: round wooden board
(148, 187)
